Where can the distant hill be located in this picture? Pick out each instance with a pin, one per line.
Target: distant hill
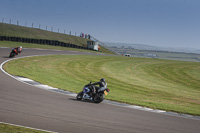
(145, 51)
(153, 48)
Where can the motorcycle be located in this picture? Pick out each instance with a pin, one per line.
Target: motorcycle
(96, 94)
(13, 53)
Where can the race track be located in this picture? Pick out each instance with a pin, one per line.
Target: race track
(30, 106)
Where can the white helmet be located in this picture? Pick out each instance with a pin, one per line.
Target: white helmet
(20, 47)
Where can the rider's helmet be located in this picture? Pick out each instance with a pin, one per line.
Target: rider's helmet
(20, 47)
(102, 80)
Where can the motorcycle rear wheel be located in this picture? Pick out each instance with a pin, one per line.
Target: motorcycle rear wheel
(11, 55)
(99, 98)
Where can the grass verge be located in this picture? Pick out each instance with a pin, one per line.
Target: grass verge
(154, 83)
(6, 128)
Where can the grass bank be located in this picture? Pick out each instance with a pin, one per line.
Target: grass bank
(36, 33)
(154, 83)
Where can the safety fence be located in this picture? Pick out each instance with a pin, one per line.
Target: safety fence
(41, 41)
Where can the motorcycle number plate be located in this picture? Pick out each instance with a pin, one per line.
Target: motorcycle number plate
(105, 92)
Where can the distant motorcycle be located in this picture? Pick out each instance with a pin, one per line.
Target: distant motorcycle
(15, 52)
(97, 94)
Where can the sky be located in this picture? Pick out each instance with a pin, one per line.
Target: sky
(163, 23)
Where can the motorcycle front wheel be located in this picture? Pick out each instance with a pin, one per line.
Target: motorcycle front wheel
(79, 95)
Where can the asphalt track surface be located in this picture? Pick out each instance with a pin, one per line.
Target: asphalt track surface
(30, 106)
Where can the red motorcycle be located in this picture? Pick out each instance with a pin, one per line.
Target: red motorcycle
(15, 52)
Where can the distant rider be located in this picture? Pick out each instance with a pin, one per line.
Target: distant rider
(18, 49)
(102, 84)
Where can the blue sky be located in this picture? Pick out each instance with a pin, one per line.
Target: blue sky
(165, 23)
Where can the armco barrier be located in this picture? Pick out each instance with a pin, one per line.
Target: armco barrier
(40, 41)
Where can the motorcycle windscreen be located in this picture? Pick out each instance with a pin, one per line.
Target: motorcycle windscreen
(86, 89)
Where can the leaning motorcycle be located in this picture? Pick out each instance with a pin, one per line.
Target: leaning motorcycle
(13, 53)
(97, 95)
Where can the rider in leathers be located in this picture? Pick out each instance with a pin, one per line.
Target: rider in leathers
(18, 49)
(101, 83)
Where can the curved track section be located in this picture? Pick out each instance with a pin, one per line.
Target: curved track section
(30, 106)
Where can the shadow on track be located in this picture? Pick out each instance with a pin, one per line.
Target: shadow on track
(88, 101)
(6, 57)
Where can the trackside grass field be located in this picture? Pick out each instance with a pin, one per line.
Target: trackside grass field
(5, 128)
(158, 84)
